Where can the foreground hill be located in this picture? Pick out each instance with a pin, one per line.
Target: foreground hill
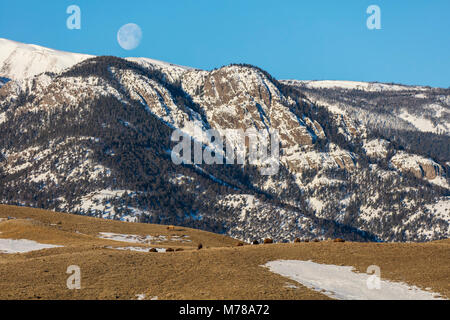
(221, 270)
(95, 139)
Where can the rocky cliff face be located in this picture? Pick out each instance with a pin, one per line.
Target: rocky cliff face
(96, 139)
(421, 167)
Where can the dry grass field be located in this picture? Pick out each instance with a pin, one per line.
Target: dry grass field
(220, 270)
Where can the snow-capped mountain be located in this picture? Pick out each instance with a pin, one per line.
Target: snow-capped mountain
(393, 106)
(19, 61)
(94, 138)
(356, 85)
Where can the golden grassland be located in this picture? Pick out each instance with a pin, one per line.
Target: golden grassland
(221, 270)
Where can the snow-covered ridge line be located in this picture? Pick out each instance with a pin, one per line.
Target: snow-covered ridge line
(354, 85)
(19, 61)
(144, 61)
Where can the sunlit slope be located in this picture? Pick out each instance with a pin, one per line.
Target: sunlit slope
(220, 270)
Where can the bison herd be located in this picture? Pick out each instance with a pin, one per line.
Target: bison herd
(296, 240)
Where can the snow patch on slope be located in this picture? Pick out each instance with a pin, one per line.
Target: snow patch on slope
(22, 246)
(423, 124)
(341, 282)
(137, 249)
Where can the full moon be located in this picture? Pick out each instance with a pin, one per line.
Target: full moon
(129, 36)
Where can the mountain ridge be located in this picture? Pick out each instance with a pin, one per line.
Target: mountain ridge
(350, 84)
(94, 139)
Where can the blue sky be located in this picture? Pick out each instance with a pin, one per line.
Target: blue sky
(314, 40)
